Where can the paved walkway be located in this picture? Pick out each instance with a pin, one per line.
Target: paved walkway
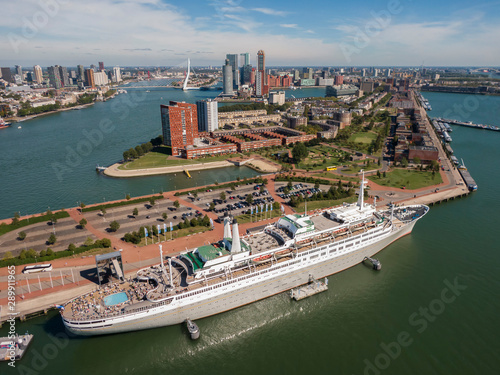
(113, 171)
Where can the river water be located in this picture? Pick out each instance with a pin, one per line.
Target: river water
(432, 309)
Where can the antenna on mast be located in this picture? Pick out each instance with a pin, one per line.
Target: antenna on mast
(361, 198)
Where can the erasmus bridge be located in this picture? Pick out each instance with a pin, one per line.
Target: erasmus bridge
(180, 83)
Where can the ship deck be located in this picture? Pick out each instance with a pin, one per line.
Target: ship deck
(144, 293)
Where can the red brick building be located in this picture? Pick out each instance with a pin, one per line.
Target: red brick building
(179, 122)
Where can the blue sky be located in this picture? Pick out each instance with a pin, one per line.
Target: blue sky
(162, 32)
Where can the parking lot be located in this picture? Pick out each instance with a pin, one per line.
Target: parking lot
(298, 189)
(235, 201)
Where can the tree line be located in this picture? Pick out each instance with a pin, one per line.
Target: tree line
(144, 148)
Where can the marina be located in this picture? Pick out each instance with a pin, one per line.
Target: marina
(468, 124)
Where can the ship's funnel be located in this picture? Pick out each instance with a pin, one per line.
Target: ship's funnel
(235, 244)
(227, 225)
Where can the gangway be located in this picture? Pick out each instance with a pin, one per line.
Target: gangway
(118, 269)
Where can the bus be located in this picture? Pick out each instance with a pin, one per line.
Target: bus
(333, 168)
(38, 268)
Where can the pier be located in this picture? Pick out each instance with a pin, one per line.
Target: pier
(311, 288)
(468, 124)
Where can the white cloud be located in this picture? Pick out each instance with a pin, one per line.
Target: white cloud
(270, 12)
(150, 32)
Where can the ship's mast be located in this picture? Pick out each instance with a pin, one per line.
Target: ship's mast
(361, 198)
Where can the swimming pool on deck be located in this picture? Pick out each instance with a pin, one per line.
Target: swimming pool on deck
(115, 299)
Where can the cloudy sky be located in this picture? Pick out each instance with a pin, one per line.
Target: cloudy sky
(313, 32)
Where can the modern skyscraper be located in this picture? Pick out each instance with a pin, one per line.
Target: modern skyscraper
(6, 74)
(261, 60)
(19, 70)
(89, 78)
(233, 61)
(37, 69)
(246, 74)
(245, 58)
(117, 76)
(54, 77)
(81, 72)
(261, 84)
(101, 65)
(208, 119)
(63, 73)
(227, 80)
(179, 123)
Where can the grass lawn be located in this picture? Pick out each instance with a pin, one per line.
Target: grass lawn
(176, 234)
(363, 137)
(412, 179)
(158, 159)
(314, 205)
(317, 154)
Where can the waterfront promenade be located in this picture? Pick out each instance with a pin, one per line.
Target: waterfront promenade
(114, 171)
(74, 276)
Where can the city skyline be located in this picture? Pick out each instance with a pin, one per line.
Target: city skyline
(131, 33)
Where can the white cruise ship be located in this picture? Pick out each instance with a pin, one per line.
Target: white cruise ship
(241, 269)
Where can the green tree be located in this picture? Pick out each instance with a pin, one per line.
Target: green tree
(404, 162)
(15, 219)
(139, 150)
(249, 198)
(21, 235)
(43, 253)
(52, 239)
(127, 197)
(72, 247)
(32, 254)
(133, 153)
(114, 226)
(164, 216)
(126, 155)
(152, 201)
(88, 242)
(53, 220)
(299, 152)
(82, 223)
(212, 206)
(177, 204)
(384, 174)
(103, 211)
(50, 252)
(82, 205)
(22, 255)
(223, 195)
(378, 174)
(416, 160)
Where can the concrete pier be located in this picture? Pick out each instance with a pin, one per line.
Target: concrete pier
(310, 289)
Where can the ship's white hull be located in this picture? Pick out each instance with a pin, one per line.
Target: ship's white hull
(232, 296)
